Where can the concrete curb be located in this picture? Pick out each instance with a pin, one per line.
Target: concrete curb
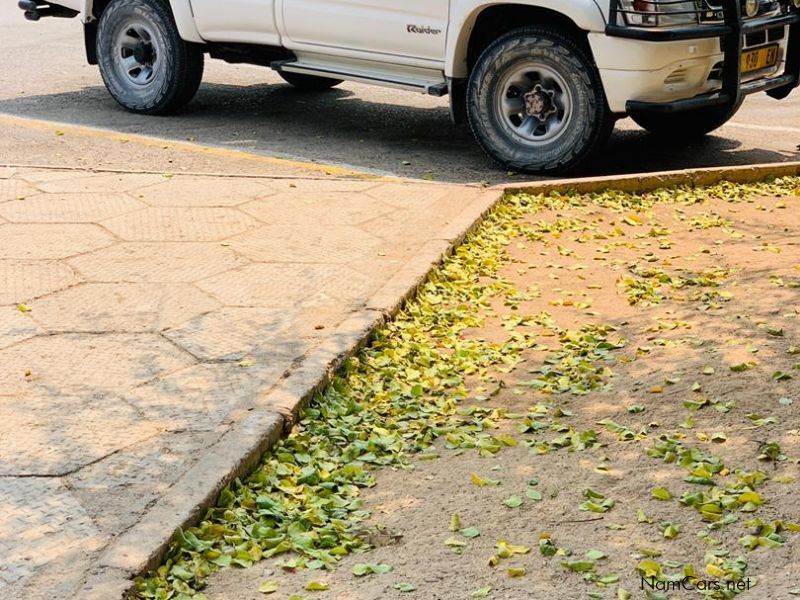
(648, 182)
(238, 452)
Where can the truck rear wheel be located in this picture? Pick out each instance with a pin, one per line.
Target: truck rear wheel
(686, 124)
(146, 66)
(309, 83)
(535, 102)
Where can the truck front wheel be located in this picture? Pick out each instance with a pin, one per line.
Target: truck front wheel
(535, 102)
(145, 64)
(687, 124)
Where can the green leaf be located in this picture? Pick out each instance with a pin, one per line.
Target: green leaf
(481, 482)
(649, 568)
(268, 587)
(533, 495)
(578, 566)
(316, 586)
(404, 587)
(482, 592)
(670, 531)
(661, 493)
(455, 522)
(738, 368)
(513, 501)
(594, 555)
(470, 532)
(361, 569)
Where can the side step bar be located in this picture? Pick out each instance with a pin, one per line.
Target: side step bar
(36, 9)
(432, 88)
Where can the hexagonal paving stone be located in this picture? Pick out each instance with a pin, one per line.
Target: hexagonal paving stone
(22, 280)
(202, 396)
(88, 428)
(321, 185)
(327, 208)
(56, 365)
(68, 208)
(402, 195)
(15, 190)
(288, 285)
(180, 224)
(310, 242)
(117, 490)
(157, 262)
(121, 307)
(41, 522)
(33, 240)
(198, 191)
(404, 228)
(16, 326)
(66, 182)
(231, 334)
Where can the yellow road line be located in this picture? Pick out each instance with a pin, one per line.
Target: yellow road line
(154, 142)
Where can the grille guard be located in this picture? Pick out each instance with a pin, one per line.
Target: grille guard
(731, 32)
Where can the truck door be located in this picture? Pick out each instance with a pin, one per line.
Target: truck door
(247, 21)
(408, 28)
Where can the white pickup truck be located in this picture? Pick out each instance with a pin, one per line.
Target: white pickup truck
(541, 82)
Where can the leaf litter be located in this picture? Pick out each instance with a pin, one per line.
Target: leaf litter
(494, 369)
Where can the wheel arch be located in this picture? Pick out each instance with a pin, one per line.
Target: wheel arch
(474, 25)
(92, 9)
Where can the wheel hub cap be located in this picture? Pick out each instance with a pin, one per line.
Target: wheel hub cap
(540, 103)
(143, 53)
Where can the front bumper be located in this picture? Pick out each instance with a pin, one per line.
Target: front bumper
(728, 37)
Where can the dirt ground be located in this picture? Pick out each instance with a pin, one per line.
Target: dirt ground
(706, 298)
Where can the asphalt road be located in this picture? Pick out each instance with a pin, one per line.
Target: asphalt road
(44, 75)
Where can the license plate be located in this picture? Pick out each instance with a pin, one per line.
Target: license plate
(760, 58)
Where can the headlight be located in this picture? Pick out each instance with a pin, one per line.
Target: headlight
(653, 13)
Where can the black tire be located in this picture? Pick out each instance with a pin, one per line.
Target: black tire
(309, 83)
(583, 128)
(175, 66)
(688, 124)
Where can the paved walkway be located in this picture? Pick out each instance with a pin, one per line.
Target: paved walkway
(142, 315)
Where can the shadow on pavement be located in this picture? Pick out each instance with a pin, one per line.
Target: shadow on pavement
(338, 127)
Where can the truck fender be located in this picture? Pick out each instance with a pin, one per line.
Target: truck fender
(181, 11)
(586, 14)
